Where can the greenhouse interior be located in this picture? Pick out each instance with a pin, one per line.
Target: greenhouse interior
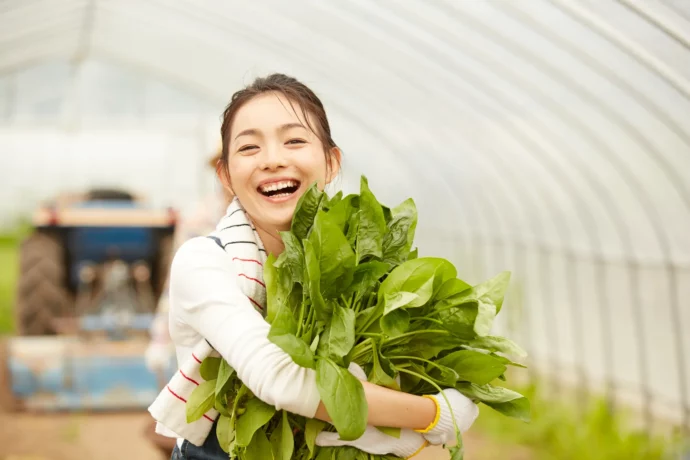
(545, 138)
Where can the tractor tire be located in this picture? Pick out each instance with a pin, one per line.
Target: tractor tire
(42, 293)
(166, 251)
(8, 403)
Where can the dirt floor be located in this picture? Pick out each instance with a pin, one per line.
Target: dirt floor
(122, 435)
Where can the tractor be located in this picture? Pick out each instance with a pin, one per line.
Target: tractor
(91, 273)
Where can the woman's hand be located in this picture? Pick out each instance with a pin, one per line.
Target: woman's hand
(376, 442)
(453, 409)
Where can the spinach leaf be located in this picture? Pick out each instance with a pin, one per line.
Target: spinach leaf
(336, 261)
(308, 205)
(365, 278)
(399, 236)
(292, 257)
(259, 448)
(278, 289)
(372, 224)
(209, 368)
(201, 400)
(414, 276)
(503, 400)
(298, 350)
(311, 430)
(224, 383)
(473, 366)
(322, 310)
(225, 432)
(395, 323)
(500, 344)
(282, 441)
(378, 376)
(256, 415)
(339, 336)
(343, 396)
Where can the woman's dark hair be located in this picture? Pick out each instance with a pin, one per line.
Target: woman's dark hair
(296, 93)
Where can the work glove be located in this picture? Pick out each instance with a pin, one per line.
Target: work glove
(453, 409)
(376, 442)
(373, 441)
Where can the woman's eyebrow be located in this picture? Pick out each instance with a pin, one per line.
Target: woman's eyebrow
(247, 132)
(287, 126)
(282, 128)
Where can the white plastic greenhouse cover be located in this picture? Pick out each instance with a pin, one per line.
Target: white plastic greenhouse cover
(543, 136)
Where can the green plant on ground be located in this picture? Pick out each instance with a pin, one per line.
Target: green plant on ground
(9, 268)
(564, 431)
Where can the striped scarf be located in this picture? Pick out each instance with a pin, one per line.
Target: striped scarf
(238, 237)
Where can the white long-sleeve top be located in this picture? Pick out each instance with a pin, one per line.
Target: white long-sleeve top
(211, 285)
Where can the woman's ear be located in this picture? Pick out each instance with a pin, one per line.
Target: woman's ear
(224, 176)
(335, 155)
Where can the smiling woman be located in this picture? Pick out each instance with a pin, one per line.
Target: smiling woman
(276, 144)
(282, 146)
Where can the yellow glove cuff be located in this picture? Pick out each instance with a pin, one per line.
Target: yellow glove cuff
(426, 443)
(436, 419)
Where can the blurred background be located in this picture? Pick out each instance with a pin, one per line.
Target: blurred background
(550, 138)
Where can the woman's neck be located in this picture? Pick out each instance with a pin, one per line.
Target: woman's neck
(271, 239)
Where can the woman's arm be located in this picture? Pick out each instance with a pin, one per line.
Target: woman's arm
(392, 408)
(204, 295)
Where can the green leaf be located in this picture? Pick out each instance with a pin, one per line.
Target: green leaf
(259, 448)
(292, 258)
(201, 400)
(414, 276)
(342, 211)
(450, 288)
(339, 336)
(225, 432)
(278, 289)
(401, 299)
(517, 408)
(298, 350)
(459, 320)
(336, 261)
(257, 414)
(503, 400)
(377, 375)
(308, 205)
(372, 224)
(473, 366)
(311, 431)
(399, 236)
(282, 440)
(388, 431)
(395, 323)
(413, 254)
(485, 318)
(343, 396)
(224, 383)
(442, 375)
(365, 278)
(499, 344)
(487, 393)
(493, 290)
(325, 453)
(283, 323)
(209, 368)
(322, 310)
(352, 229)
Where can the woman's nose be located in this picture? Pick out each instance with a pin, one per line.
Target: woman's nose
(273, 157)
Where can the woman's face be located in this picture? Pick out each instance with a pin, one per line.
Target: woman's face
(273, 158)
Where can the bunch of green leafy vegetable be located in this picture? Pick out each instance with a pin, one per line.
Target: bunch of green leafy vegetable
(348, 288)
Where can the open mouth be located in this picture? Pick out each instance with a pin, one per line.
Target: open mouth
(279, 189)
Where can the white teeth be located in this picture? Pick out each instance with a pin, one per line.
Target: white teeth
(278, 185)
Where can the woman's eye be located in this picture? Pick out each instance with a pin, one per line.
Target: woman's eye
(296, 141)
(247, 148)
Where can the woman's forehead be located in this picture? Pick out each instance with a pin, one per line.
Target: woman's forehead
(267, 111)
